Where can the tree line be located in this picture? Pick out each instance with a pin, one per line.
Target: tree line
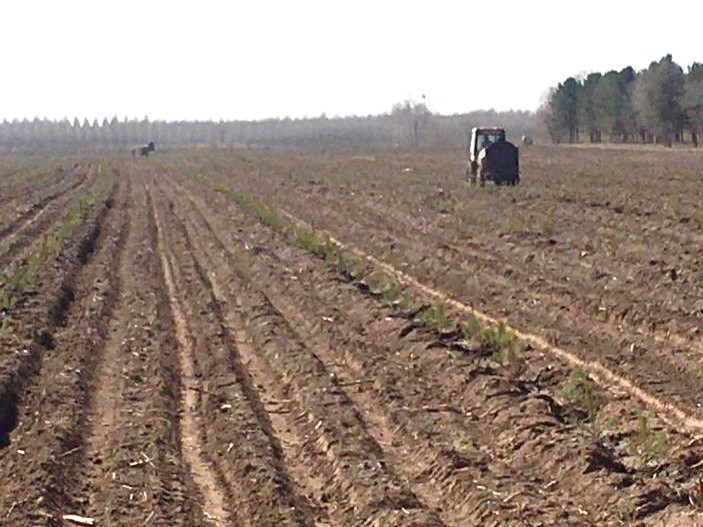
(659, 104)
(408, 124)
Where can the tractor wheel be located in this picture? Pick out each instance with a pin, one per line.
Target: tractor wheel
(482, 173)
(472, 173)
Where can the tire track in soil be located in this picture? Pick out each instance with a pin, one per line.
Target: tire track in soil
(422, 460)
(190, 431)
(105, 395)
(130, 470)
(379, 430)
(238, 439)
(325, 434)
(310, 485)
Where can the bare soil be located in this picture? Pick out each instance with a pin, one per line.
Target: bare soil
(182, 359)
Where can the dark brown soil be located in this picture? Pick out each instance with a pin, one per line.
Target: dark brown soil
(181, 362)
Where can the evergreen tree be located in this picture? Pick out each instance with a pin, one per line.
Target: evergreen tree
(586, 111)
(657, 98)
(565, 108)
(693, 100)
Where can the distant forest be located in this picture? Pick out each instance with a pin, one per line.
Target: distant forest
(660, 104)
(407, 124)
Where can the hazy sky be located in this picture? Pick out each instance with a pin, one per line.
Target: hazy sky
(211, 59)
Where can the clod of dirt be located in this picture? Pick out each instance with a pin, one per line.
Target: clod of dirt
(44, 339)
(602, 458)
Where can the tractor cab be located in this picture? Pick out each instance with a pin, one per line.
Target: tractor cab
(482, 138)
(492, 158)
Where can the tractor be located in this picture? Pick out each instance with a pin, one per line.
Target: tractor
(143, 151)
(492, 158)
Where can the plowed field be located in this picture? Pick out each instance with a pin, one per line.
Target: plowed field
(285, 338)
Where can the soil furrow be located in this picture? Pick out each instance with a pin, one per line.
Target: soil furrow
(179, 348)
(560, 282)
(551, 267)
(40, 202)
(26, 181)
(434, 461)
(190, 429)
(129, 471)
(604, 307)
(362, 487)
(22, 233)
(43, 308)
(651, 384)
(51, 402)
(667, 406)
(459, 503)
(628, 351)
(298, 480)
(236, 440)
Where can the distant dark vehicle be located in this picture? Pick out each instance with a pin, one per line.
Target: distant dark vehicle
(144, 150)
(492, 158)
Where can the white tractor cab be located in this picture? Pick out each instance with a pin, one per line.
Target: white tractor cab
(491, 157)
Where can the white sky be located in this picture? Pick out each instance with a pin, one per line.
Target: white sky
(210, 59)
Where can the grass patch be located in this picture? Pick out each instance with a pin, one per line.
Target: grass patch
(261, 210)
(504, 346)
(495, 338)
(382, 285)
(546, 226)
(470, 327)
(317, 242)
(268, 217)
(514, 225)
(648, 443)
(436, 317)
(350, 265)
(579, 392)
(406, 305)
